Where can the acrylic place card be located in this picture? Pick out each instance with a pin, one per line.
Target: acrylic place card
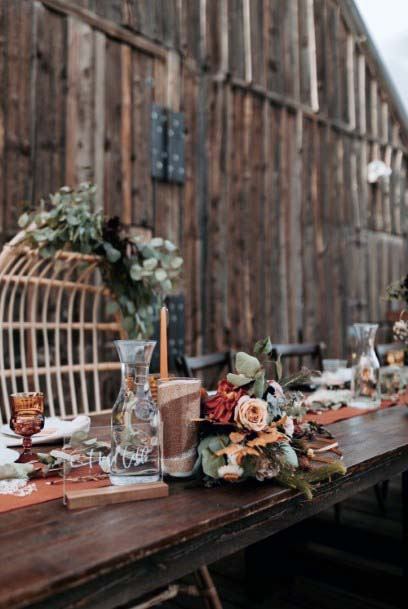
(86, 468)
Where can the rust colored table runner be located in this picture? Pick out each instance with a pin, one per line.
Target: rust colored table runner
(327, 417)
(45, 492)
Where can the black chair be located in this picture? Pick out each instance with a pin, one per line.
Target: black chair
(299, 351)
(202, 365)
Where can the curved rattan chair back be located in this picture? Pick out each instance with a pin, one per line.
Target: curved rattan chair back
(54, 335)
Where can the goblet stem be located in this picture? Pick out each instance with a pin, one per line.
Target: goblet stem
(27, 454)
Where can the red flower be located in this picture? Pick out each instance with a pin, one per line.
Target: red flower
(220, 408)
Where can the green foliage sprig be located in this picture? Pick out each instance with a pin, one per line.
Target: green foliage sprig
(138, 273)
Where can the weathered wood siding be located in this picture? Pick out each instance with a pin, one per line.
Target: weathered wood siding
(283, 107)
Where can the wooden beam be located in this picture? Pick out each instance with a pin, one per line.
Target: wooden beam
(294, 106)
(108, 27)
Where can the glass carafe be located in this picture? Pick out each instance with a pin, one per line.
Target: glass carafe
(365, 386)
(135, 451)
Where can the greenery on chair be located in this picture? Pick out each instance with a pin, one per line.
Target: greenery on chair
(138, 272)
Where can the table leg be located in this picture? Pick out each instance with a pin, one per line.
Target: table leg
(207, 587)
(405, 524)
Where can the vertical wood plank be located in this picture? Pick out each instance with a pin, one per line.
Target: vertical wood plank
(3, 110)
(18, 177)
(126, 133)
(142, 94)
(191, 237)
(362, 94)
(351, 106)
(48, 101)
(99, 117)
(246, 16)
(112, 162)
(311, 45)
(79, 127)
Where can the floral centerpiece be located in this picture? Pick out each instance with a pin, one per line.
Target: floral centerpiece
(137, 271)
(253, 428)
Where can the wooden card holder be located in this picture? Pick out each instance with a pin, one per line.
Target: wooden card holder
(107, 495)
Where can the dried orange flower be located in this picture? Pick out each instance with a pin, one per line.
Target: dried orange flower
(263, 439)
(236, 437)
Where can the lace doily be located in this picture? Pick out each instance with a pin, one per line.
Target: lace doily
(17, 487)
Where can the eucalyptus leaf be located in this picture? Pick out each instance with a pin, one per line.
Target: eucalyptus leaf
(47, 252)
(238, 380)
(131, 307)
(16, 470)
(156, 242)
(263, 346)
(24, 220)
(288, 455)
(112, 254)
(207, 448)
(136, 272)
(112, 307)
(170, 247)
(150, 264)
(177, 262)
(247, 364)
(128, 323)
(258, 388)
(167, 286)
(160, 274)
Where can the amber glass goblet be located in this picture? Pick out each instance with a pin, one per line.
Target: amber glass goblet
(27, 419)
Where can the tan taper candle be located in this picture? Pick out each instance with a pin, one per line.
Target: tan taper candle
(164, 362)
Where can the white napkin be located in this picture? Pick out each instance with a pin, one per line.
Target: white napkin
(331, 379)
(54, 429)
(327, 398)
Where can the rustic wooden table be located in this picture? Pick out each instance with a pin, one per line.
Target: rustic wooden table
(101, 558)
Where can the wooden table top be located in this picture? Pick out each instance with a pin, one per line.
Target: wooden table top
(105, 557)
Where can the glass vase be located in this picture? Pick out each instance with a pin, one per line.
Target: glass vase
(135, 444)
(365, 386)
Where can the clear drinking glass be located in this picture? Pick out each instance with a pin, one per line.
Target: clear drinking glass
(391, 381)
(365, 385)
(135, 454)
(332, 365)
(179, 404)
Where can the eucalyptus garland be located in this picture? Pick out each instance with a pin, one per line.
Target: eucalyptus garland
(138, 273)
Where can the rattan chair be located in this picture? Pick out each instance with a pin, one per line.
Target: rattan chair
(55, 337)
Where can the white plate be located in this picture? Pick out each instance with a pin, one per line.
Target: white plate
(8, 456)
(54, 429)
(332, 379)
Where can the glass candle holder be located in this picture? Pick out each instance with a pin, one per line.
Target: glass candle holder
(27, 419)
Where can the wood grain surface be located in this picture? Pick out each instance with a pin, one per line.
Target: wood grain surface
(105, 557)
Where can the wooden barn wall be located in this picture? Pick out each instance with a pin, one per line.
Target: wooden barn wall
(280, 230)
